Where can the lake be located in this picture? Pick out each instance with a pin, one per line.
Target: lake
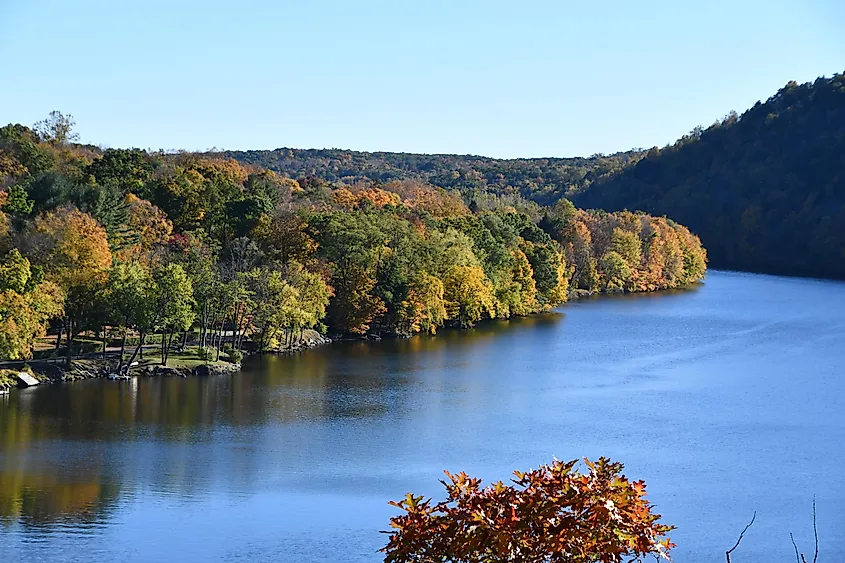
(726, 399)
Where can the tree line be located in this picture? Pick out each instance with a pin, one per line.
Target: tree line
(544, 180)
(127, 244)
(765, 190)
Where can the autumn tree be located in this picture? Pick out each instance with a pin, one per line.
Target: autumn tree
(4, 223)
(25, 156)
(74, 251)
(286, 237)
(276, 307)
(151, 227)
(468, 294)
(516, 294)
(555, 513)
(627, 245)
(354, 245)
(424, 307)
(313, 299)
(267, 256)
(27, 302)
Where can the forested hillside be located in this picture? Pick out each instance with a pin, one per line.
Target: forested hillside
(544, 180)
(124, 241)
(764, 190)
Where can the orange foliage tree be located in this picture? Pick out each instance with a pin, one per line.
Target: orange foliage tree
(553, 514)
(152, 227)
(74, 251)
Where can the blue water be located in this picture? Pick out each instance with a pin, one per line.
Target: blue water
(727, 399)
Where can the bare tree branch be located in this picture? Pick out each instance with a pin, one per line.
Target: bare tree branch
(739, 539)
(797, 557)
(815, 531)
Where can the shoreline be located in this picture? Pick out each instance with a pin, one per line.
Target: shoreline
(47, 372)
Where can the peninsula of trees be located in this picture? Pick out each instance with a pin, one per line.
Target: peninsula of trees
(765, 190)
(126, 242)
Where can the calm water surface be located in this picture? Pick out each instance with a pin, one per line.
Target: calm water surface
(726, 399)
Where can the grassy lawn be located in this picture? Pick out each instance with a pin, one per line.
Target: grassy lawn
(188, 359)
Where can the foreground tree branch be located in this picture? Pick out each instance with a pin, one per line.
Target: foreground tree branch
(739, 539)
(553, 513)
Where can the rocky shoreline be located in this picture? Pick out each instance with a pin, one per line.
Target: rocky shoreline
(44, 373)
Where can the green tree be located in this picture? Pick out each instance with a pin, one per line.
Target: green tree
(165, 305)
(17, 201)
(174, 304)
(131, 170)
(57, 128)
(126, 291)
(616, 272)
(276, 306)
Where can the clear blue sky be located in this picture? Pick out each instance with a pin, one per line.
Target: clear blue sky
(505, 79)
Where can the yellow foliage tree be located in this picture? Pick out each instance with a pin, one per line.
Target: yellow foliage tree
(424, 309)
(469, 295)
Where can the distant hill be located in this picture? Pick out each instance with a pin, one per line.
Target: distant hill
(543, 180)
(765, 191)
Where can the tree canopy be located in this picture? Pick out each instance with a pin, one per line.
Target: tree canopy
(554, 513)
(764, 190)
(150, 243)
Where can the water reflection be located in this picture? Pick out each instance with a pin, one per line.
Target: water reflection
(736, 385)
(45, 478)
(44, 496)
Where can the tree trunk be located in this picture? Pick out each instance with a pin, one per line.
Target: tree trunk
(204, 325)
(170, 343)
(138, 349)
(161, 347)
(59, 341)
(184, 340)
(122, 349)
(237, 327)
(220, 339)
(69, 355)
(166, 342)
(104, 342)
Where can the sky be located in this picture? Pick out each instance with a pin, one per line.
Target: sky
(502, 79)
